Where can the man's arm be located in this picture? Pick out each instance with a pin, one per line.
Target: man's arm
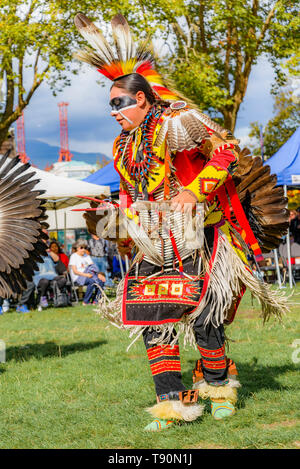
(210, 178)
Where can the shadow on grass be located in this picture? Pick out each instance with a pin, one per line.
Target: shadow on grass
(253, 378)
(48, 349)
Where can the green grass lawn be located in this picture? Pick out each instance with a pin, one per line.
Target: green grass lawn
(68, 382)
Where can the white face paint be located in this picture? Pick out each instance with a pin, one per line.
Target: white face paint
(114, 113)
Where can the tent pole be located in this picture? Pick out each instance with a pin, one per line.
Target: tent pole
(288, 244)
(65, 232)
(121, 265)
(277, 267)
(56, 219)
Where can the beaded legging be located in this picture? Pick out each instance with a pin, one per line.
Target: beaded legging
(165, 359)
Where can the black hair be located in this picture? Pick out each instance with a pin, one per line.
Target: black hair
(135, 82)
(55, 242)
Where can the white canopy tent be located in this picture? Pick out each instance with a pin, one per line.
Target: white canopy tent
(61, 195)
(61, 192)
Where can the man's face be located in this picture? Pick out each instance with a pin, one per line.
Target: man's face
(129, 111)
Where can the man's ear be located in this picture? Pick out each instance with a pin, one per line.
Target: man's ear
(141, 98)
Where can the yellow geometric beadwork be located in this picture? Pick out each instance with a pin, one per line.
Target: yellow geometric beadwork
(163, 289)
(209, 179)
(149, 290)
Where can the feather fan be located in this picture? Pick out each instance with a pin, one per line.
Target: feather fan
(21, 236)
(263, 202)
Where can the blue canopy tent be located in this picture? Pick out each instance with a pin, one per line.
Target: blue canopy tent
(106, 176)
(285, 163)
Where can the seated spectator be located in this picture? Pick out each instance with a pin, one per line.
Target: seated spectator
(42, 279)
(295, 227)
(27, 299)
(84, 272)
(55, 250)
(73, 249)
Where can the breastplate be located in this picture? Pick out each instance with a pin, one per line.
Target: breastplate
(171, 234)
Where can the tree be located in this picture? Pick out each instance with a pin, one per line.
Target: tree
(37, 38)
(282, 125)
(213, 44)
(217, 42)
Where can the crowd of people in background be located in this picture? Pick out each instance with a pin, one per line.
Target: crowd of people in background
(91, 266)
(295, 225)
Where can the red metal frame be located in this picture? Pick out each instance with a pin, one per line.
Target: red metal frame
(64, 153)
(21, 140)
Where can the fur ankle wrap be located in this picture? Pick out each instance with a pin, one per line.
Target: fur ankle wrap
(228, 391)
(176, 410)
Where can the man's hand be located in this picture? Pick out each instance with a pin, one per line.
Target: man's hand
(184, 202)
(54, 256)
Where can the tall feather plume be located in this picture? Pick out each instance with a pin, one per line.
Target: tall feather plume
(127, 57)
(94, 37)
(122, 37)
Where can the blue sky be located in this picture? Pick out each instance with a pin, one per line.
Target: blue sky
(92, 129)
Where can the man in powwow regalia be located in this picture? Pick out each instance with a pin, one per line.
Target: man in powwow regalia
(181, 173)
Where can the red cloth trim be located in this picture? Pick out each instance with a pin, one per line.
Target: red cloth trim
(241, 217)
(214, 365)
(222, 160)
(188, 165)
(160, 351)
(125, 199)
(217, 353)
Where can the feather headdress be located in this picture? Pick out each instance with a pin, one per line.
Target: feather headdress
(124, 58)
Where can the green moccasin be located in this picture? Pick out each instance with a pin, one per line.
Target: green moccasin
(159, 424)
(221, 410)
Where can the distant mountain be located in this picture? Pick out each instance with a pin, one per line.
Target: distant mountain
(41, 154)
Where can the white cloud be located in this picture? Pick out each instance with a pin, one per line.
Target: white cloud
(93, 146)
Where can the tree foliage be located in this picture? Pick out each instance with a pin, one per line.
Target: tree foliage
(37, 38)
(212, 45)
(209, 46)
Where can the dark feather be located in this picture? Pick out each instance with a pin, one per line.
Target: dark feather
(21, 247)
(264, 204)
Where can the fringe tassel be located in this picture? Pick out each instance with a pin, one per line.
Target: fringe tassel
(227, 276)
